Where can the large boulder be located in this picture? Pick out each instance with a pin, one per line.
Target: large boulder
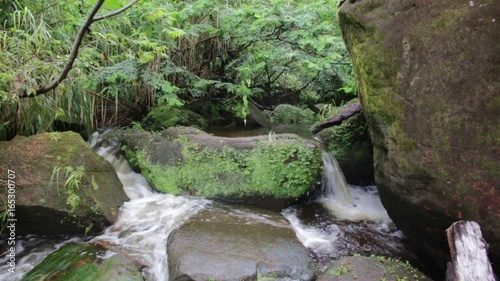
(427, 73)
(374, 268)
(60, 185)
(86, 261)
(270, 171)
(237, 244)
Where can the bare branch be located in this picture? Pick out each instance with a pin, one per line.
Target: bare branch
(76, 46)
(114, 13)
(72, 55)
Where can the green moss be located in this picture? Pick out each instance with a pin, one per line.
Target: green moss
(81, 262)
(351, 145)
(404, 143)
(448, 18)
(342, 269)
(281, 170)
(267, 277)
(162, 178)
(64, 259)
(370, 5)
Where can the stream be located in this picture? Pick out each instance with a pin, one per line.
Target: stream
(343, 220)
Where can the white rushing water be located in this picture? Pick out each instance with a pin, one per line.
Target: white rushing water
(348, 202)
(146, 221)
(318, 240)
(366, 206)
(334, 184)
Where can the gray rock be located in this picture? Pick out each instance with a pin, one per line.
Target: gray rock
(237, 244)
(371, 269)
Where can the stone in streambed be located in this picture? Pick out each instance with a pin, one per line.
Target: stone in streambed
(374, 268)
(237, 244)
(270, 171)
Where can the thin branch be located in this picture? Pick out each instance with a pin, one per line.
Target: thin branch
(76, 46)
(114, 13)
(309, 83)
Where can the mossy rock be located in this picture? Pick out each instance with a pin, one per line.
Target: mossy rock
(162, 117)
(286, 114)
(266, 170)
(374, 268)
(61, 185)
(427, 74)
(85, 262)
(351, 145)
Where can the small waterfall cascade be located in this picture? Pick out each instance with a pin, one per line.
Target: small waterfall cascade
(334, 184)
(146, 221)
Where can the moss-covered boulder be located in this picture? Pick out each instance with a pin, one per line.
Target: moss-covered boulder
(270, 171)
(60, 185)
(373, 268)
(237, 244)
(427, 73)
(286, 114)
(162, 117)
(351, 145)
(85, 262)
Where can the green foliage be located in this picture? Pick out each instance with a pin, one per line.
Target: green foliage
(289, 114)
(213, 56)
(163, 117)
(281, 170)
(71, 185)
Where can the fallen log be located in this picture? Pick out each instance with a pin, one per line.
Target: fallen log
(337, 119)
(469, 260)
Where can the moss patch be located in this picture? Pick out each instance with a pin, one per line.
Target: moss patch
(81, 262)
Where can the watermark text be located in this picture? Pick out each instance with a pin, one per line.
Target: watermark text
(11, 220)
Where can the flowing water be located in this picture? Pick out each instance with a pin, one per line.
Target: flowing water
(344, 220)
(146, 221)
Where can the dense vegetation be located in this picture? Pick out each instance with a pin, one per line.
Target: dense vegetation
(211, 56)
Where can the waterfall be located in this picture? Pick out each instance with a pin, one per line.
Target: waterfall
(146, 221)
(334, 184)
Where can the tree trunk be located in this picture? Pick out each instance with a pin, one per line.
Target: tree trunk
(337, 119)
(469, 260)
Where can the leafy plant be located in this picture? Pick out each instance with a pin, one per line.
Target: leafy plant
(71, 185)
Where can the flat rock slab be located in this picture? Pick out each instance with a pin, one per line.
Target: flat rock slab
(237, 244)
(371, 269)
